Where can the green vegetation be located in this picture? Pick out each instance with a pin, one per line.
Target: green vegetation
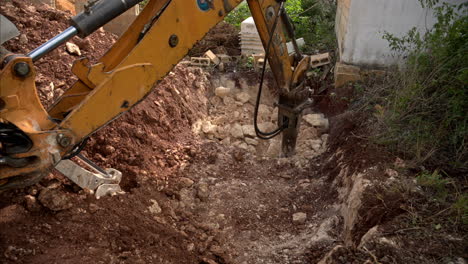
(422, 108)
(314, 21)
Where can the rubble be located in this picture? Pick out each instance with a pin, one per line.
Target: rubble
(55, 199)
(299, 218)
(73, 48)
(222, 91)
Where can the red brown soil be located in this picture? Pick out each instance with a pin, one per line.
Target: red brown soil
(40, 23)
(154, 148)
(222, 39)
(154, 139)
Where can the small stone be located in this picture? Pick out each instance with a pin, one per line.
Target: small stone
(226, 141)
(222, 91)
(243, 97)
(93, 208)
(236, 114)
(239, 155)
(267, 127)
(274, 149)
(31, 203)
(203, 191)
(208, 128)
(264, 112)
(317, 120)
(236, 131)
(251, 141)
(299, 217)
(73, 48)
(324, 138)
(55, 199)
(249, 131)
(190, 247)
(185, 182)
(228, 101)
(230, 84)
(23, 39)
(154, 208)
(108, 150)
(274, 115)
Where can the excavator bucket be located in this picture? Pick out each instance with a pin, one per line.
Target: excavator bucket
(7, 30)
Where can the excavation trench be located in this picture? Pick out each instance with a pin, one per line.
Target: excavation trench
(199, 186)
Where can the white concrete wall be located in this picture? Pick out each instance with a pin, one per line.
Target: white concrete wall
(360, 38)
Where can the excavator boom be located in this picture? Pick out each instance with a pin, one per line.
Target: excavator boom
(33, 140)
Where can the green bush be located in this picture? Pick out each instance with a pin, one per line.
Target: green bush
(314, 20)
(426, 104)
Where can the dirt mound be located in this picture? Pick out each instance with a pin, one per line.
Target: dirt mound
(154, 139)
(39, 23)
(222, 39)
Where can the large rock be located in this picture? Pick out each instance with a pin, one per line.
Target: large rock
(267, 127)
(243, 97)
(264, 112)
(55, 199)
(208, 128)
(317, 120)
(222, 91)
(274, 149)
(249, 131)
(251, 141)
(236, 131)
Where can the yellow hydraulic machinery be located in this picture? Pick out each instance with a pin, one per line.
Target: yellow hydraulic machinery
(34, 140)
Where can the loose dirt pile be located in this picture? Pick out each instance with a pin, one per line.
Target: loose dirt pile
(222, 39)
(154, 139)
(39, 23)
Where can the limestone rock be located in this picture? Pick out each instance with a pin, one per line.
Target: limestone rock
(203, 191)
(299, 218)
(228, 101)
(249, 131)
(264, 112)
(274, 149)
(185, 182)
(23, 39)
(208, 128)
(31, 203)
(236, 131)
(55, 199)
(222, 91)
(154, 208)
(243, 97)
(73, 49)
(267, 127)
(317, 120)
(251, 141)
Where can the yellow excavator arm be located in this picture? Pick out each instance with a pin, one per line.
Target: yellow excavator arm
(33, 140)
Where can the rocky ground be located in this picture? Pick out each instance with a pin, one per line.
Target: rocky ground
(201, 188)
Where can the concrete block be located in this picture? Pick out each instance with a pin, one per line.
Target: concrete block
(209, 54)
(345, 74)
(199, 61)
(320, 60)
(224, 58)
